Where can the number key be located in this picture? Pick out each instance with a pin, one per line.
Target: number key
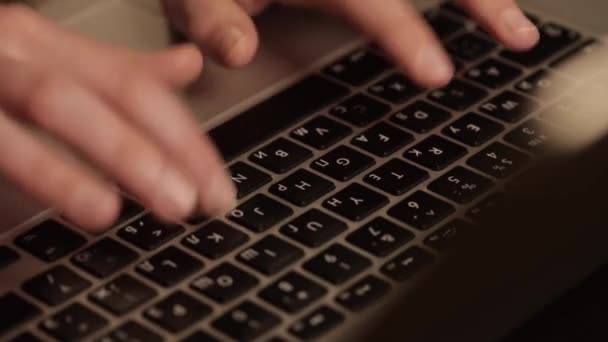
(461, 185)
(380, 237)
(280, 156)
(421, 210)
(498, 160)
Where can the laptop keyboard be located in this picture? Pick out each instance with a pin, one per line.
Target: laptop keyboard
(335, 209)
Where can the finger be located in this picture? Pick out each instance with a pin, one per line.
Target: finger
(178, 66)
(505, 20)
(397, 26)
(82, 197)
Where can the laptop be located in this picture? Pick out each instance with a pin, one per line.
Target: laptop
(358, 192)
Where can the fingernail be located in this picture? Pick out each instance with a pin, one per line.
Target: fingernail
(435, 65)
(517, 22)
(180, 193)
(220, 196)
(233, 46)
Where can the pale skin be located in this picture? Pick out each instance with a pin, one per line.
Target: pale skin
(122, 116)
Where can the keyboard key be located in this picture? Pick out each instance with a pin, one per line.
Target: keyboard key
(8, 256)
(470, 46)
(302, 187)
(215, 239)
(553, 38)
(396, 177)
(342, 163)
(458, 95)
(461, 185)
(531, 135)
(545, 85)
(270, 255)
(169, 266)
(380, 237)
(292, 292)
(148, 233)
(360, 110)
(313, 228)
(363, 293)
(493, 73)
(337, 264)
(131, 331)
(408, 264)
(321, 132)
(583, 61)
(73, 323)
(382, 139)
(260, 213)
(359, 67)
(246, 322)
(420, 117)
(177, 312)
(509, 106)
(435, 152)
(395, 88)
(21, 311)
(316, 323)
(280, 156)
(200, 336)
(50, 241)
(224, 283)
(485, 206)
(442, 24)
(129, 210)
(122, 294)
(473, 129)
(498, 160)
(355, 202)
(104, 258)
(449, 235)
(56, 285)
(247, 179)
(421, 210)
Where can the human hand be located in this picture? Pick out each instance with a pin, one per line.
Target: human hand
(113, 107)
(225, 28)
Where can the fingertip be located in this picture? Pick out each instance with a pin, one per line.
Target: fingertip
(520, 32)
(219, 197)
(433, 67)
(95, 212)
(236, 47)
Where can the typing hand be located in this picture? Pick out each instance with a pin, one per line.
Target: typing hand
(225, 28)
(110, 107)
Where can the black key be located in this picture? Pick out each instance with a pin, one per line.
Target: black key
(509, 106)
(359, 67)
(544, 84)
(442, 24)
(73, 323)
(121, 295)
(292, 292)
(420, 117)
(473, 129)
(470, 46)
(485, 206)
(56, 285)
(458, 95)
(382, 139)
(395, 88)
(435, 152)
(360, 110)
(355, 202)
(342, 163)
(302, 187)
(316, 323)
(493, 73)
(50, 240)
(169, 266)
(553, 38)
(270, 255)
(280, 156)
(531, 135)
(408, 264)
(224, 283)
(461, 185)
(26, 337)
(583, 61)
(215, 239)
(498, 160)
(421, 210)
(321, 132)
(246, 322)
(129, 210)
(449, 235)
(247, 179)
(200, 336)
(148, 233)
(21, 311)
(260, 213)
(363, 293)
(337, 264)
(131, 331)
(380, 237)
(313, 228)
(8, 256)
(177, 312)
(104, 257)
(396, 177)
